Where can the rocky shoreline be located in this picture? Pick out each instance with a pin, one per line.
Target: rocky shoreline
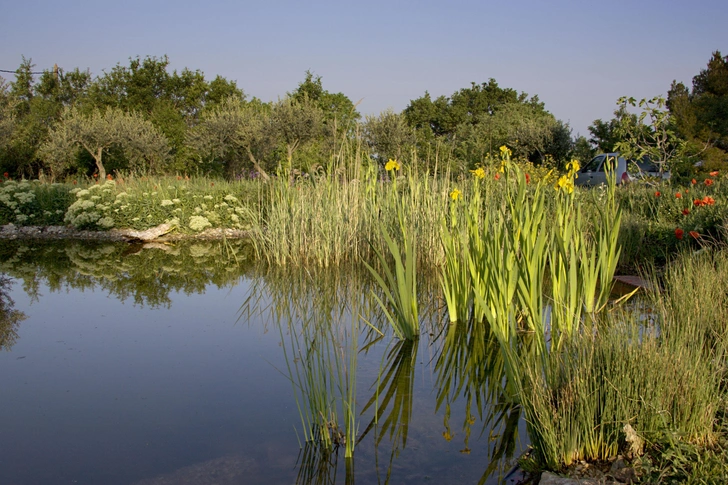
(160, 233)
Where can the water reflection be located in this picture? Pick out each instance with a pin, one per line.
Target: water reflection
(435, 409)
(317, 316)
(145, 273)
(10, 318)
(471, 368)
(326, 319)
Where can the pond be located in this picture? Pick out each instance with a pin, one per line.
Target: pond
(188, 363)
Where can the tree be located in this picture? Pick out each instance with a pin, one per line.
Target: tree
(63, 88)
(604, 135)
(294, 123)
(337, 108)
(22, 88)
(143, 146)
(388, 136)
(650, 134)
(583, 150)
(172, 101)
(7, 115)
(701, 116)
(477, 120)
(230, 133)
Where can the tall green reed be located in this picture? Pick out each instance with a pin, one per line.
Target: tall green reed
(399, 286)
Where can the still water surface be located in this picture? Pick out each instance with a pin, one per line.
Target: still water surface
(164, 365)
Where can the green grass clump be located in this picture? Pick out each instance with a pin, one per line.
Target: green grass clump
(661, 372)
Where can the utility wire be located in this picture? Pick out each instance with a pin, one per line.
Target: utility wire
(16, 71)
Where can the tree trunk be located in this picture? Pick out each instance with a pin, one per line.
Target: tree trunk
(255, 164)
(100, 166)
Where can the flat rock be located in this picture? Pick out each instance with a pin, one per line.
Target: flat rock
(634, 281)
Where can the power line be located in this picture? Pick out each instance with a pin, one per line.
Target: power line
(16, 71)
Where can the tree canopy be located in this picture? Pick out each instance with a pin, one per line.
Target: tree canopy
(701, 114)
(141, 144)
(476, 121)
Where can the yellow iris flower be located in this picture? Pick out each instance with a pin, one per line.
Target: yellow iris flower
(392, 165)
(478, 173)
(565, 183)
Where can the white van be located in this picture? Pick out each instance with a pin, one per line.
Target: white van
(594, 172)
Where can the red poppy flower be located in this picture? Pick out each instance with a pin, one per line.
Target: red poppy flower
(686, 212)
(679, 233)
(109, 177)
(528, 179)
(697, 202)
(708, 182)
(6, 175)
(693, 181)
(713, 173)
(96, 175)
(497, 176)
(694, 234)
(708, 200)
(657, 194)
(678, 195)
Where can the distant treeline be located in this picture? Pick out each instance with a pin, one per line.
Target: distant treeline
(144, 118)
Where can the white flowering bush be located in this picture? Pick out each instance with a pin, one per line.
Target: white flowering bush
(193, 206)
(33, 203)
(93, 207)
(189, 205)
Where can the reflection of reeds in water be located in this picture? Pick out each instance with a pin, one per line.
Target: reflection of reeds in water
(392, 398)
(470, 367)
(317, 315)
(318, 465)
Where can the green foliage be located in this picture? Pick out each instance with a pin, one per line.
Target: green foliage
(604, 135)
(143, 147)
(231, 139)
(474, 122)
(700, 114)
(651, 134)
(399, 303)
(388, 137)
(339, 111)
(28, 203)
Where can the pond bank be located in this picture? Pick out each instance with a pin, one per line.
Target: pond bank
(160, 233)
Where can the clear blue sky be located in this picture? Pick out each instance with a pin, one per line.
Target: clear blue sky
(577, 56)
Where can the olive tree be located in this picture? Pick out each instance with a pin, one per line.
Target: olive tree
(388, 136)
(229, 133)
(7, 115)
(143, 146)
